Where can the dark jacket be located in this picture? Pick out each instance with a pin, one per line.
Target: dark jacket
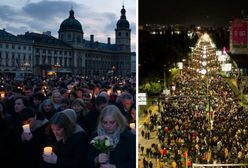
(71, 153)
(33, 149)
(10, 141)
(89, 123)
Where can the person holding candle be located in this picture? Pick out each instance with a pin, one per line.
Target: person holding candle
(68, 142)
(34, 136)
(113, 124)
(11, 142)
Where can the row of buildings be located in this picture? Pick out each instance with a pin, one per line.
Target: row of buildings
(70, 53)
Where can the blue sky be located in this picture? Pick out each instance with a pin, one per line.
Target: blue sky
(98, 17)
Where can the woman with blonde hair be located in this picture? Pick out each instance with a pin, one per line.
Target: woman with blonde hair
(114, 125)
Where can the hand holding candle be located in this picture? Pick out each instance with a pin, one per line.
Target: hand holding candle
(132, 125)
(48, 151)
(26, 128)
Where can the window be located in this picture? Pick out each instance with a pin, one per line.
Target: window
(69, 36)
(126, 33)
(119, 34)
(78, 39)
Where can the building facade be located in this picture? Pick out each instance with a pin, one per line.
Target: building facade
(70, 53)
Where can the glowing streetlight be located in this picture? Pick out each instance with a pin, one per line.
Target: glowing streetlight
(57, 66)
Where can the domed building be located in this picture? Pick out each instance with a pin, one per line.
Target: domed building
(96, 58)
(72, 54)
(71, 30)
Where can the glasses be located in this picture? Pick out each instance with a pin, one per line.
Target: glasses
(108, 122)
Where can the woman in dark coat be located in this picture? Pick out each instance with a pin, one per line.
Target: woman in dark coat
(34, 141)
(69, 142)
(114, 125)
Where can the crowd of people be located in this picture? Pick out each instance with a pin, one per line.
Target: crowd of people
(204, 121)
(66, 114)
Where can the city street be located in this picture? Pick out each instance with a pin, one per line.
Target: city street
(195, 122)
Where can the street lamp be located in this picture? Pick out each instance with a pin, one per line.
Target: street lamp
(25, 67)
(180, 67)
(57, 66)
(164, 78)
(113, 71)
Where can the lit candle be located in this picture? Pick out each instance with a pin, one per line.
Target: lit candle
(118, 92)
(109, 92)
(132, 125)
(26, 128)
(48, 150)
(2, 95)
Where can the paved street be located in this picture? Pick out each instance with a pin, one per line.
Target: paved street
(144, 142)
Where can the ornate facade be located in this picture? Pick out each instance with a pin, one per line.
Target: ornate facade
(70, 53)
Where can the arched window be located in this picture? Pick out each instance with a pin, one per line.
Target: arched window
(78, 39)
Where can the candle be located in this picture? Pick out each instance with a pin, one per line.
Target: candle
(118, 92)
(48, 150)
(109, 92)
(132, 125)
(26, 128)
(2, 95)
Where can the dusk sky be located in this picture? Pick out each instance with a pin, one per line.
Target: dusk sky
(207, 13)
(98, 17)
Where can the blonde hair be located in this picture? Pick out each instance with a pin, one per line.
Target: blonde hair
(114, 111)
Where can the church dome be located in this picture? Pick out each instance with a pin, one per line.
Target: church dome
(122, 22)
(71, 24)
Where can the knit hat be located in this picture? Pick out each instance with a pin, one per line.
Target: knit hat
(71, 114)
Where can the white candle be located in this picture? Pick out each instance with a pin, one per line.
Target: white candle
(26, 128)
(118, 92)
(48, 150)
(132, 125)
(2, 95)
(109, 92)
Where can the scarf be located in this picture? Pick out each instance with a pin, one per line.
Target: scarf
(114, 136)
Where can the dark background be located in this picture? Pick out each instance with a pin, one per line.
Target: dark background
(191, 12)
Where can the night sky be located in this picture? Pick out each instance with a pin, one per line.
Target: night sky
(191, 12)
